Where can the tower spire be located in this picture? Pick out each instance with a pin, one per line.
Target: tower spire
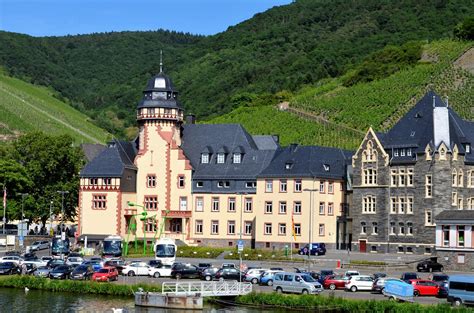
(161, 61)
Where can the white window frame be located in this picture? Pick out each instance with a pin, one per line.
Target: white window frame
(220, 158)
(237, 158)
(204, 158)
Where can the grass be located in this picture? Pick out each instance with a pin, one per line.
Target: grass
(25, 107)
(364, 262)
(260, 254)
(337, 304)
(85, 287)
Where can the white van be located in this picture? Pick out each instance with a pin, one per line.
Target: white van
(296, 283)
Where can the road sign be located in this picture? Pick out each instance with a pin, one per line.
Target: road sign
(20, 241)
(240, 245)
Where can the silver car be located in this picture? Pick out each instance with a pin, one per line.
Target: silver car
(39, 245)
(296, 283)
(42, 271)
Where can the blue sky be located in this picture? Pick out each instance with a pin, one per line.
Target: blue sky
(62, 17)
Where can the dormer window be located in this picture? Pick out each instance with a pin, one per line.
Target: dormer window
(288, 165)
(326, 167)
(402, 152)
(237, 158)
(468, 148)
(409, 152)
(220, 158)
(395, 152)
(205, 158)
(158, 95)
(160, 82)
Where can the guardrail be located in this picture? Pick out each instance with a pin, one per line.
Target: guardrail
(207, 289)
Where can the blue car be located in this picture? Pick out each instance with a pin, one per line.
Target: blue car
(461, 289)
(267, 277)
(315, 249)
(96, 265)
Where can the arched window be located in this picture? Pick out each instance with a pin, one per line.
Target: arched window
(402, 228)
(363, 227)
(460, 178)
(455, 178)
(375, 229)
(409, 228)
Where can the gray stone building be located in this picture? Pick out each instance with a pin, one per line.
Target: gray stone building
(402, 179)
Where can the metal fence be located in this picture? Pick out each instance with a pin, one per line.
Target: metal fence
(225, 288)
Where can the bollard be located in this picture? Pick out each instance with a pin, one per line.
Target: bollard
(338, 264)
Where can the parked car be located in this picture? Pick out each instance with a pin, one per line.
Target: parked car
(253, 275)
(13, 253)
(162, 270)
(351, 273)
(184, 270)
(440, 279)
(96, 265)
(42, 271)
(314, 249)
(323, 274)
(9, 268)
(29, 256)
(119, 264)
(36, 262)
(461, 289)
(334, 282)
(429, 265)
(424, 287)
(61, 272)
(203, 266)
(406, 277)
(359, 282)
(154, 263)
(107, 273)
(229, 274)
(55, 262)
(12, 258)
(208, 273)
(228, 265)
(276, 269)
(296, 283)
(379, 284)
(136, 268)
(76, 255)
(74, 260)
(46, 258)
(82, 272)
(30, 268)
(379, 275)
(40, 245)
(267, 277)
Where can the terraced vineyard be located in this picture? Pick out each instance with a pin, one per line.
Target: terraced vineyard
(379, 103)
(25, 107)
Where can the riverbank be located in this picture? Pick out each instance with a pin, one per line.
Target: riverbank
(83, 287)
(336, 304)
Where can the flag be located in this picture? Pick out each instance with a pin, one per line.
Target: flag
(293, 226)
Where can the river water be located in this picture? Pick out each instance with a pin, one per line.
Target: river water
(37, 301)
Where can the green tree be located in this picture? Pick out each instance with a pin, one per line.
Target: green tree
(52, 163)
(13, 177)
(465, 30)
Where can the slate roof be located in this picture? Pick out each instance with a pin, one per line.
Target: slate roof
(112, 161)
(265, 142)
(451, 215)
(162, 103)
(309, 161)
(205, 138)
(91, 150)
(415, 129)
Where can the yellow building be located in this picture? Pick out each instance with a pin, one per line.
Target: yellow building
(209, 184)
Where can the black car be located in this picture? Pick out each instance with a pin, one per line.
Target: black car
(181, 270)
(209, 273)
(276, 269)
(406, 277)
(13, 253)
(55, 262)
(119, 264)
(9, 268)
(155, 263)
(440, 278)
(82, 272)
(61, 272)
(75, 255)
(379, 275)
(30, 268)
(229, 274)
(203, 266)
(30, 256)
(429, 265)
(323, 275)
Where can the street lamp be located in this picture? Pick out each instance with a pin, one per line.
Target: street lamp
(23, 195)
(241, 230)
(143, 218)
(63, 235)
(50, 217)
(310, 223)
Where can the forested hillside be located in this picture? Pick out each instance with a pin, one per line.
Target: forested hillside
(283, 48)
(343, 112)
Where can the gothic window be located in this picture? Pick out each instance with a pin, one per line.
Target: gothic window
(428, 186)
(375, 228)
(454, 178)
(363, 227)
(410, 177)
(470, 178)
(460, 178)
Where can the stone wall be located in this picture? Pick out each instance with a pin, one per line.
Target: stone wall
(450, 260)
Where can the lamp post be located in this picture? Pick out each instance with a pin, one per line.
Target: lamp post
(50, 217)
(241, 230)
(63, 235)
(310, 223)
(143, 218)
(23, 195)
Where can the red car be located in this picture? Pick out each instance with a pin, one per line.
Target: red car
(107, 273)
(423, 287)
(335, 281)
